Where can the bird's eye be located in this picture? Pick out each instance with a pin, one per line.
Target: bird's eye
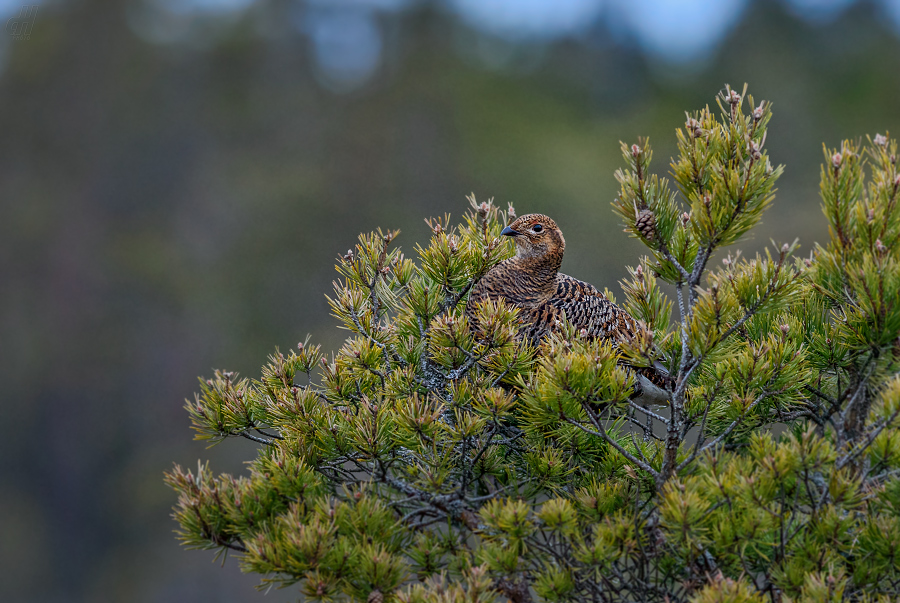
(537, 228)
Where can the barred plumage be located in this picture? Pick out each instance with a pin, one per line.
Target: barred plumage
(531, 281)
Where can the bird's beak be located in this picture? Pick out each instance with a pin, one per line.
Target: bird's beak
(509, 232)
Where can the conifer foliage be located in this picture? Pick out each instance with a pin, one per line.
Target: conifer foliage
(434, 460)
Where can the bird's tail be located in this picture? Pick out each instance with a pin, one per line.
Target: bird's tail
(652, 384)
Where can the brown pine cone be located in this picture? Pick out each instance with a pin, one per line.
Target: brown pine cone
(375, 597)
(646, 224)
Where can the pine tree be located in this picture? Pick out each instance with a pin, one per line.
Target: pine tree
(433, 460)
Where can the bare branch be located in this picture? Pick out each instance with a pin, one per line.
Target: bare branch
(861, 447)
(647, 411)
(256, 439)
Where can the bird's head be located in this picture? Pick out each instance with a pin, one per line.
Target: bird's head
(536, 236)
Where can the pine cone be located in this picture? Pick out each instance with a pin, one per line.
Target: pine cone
(375, 597)
(646, 224)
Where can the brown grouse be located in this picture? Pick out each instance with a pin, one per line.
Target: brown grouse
(531, 281)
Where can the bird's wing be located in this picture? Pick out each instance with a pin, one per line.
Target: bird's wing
(587, 308)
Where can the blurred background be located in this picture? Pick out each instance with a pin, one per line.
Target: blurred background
(178, 176)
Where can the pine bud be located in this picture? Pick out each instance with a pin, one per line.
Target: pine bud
(583, 333)
(836, 160)
(685, 218)
(734, 98)
(754, 151)
(300, 346)
(693, 128)
(870, 216)
(646, 224)
(511, 212)
(635, 151)
(808, 262)
(758, 112)
(639, 272)
(785, 248)
(879, 246)
(881, 141)
(897, 180)
(784, 329)
(893, 159)
(469, 519)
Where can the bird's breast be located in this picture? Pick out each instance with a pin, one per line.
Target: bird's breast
(516, 285)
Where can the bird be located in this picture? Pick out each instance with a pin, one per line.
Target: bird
(531, 281)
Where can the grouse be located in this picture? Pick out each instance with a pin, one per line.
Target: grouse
(532, 282)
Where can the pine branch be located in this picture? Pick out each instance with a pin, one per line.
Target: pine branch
(601, 433)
